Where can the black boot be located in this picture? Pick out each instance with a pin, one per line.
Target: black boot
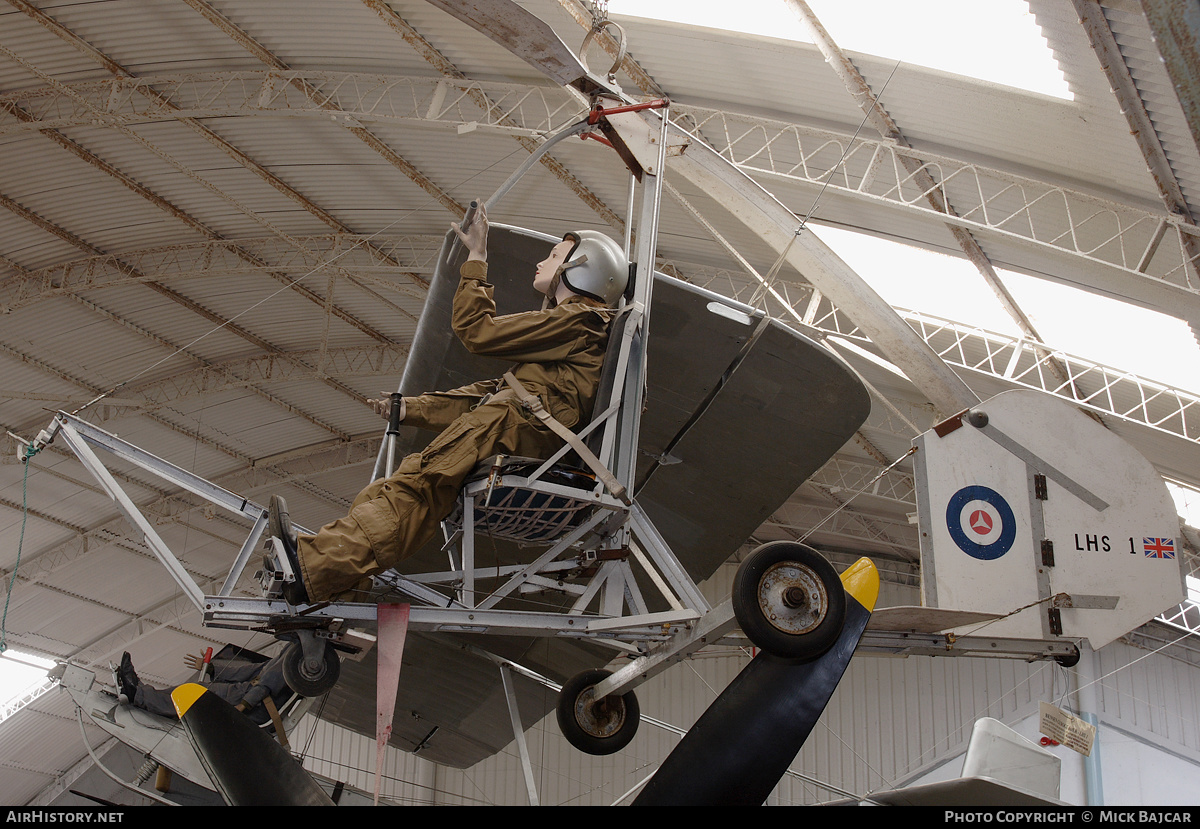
(127, 677)
(279, 525)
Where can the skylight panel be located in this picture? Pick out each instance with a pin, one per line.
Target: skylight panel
(1107, 331)
(22, 680)
(997, 41)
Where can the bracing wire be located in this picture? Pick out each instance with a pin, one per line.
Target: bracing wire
(30, 451)
(32, 448)
(846, 152)
(365, 240)
(769, 280)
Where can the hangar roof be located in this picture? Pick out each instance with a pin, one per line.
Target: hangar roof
(177, 175)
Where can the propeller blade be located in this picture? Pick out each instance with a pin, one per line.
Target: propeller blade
(247, 765)
(521, 33)
(740, 748)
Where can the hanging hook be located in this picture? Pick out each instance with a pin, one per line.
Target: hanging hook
(597, 27)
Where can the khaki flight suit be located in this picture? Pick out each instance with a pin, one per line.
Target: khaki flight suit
(560, 351)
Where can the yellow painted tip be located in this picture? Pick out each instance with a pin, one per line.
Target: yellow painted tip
(185, 695)
(861, 581)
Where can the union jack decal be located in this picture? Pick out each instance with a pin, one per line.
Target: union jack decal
(1159, 547)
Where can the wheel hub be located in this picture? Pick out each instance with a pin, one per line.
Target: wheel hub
(600, 718)
(792, 597)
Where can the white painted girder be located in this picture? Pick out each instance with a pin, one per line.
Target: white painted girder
(348, 253)
(1117, 393)
(1142, 253)
(1145, 251)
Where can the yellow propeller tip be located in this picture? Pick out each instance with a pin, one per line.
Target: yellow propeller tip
(185, 696)
(861, 581)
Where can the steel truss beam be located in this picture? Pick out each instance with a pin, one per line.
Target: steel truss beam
(444, 65)
(198, 260)
(1016, 360)
(16, 111)
(178, 298)
(1129, 240)
(883, 123)
(1141, 126)
(247, 42)
(191, 222)
(306, 91)
(512, 109)
(846, 477)
(94, 391)
(213, 138)
(1120, 394)
(253, 372)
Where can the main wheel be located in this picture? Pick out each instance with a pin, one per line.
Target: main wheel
(789, 600)
(596, 726)
(308, 679)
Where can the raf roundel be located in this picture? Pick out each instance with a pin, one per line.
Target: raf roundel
(981, 522)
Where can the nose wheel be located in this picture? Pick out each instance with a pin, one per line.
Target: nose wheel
(789, 601)
(596, 726)
(313, 674)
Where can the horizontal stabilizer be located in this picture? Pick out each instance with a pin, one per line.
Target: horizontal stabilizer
(910, 619)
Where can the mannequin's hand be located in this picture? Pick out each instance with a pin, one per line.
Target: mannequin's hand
(383, 406)
(475, 237)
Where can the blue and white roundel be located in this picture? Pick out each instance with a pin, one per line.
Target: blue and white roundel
(981, 522)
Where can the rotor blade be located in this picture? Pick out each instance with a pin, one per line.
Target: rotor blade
(247, 765)
(521, 33)
(740, 748)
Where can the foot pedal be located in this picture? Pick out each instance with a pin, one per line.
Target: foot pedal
(277, 570)
(121, 697)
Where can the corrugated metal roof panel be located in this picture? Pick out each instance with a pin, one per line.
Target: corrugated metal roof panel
(223, 412)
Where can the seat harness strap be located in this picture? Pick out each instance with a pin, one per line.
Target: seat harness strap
(276, 720)
(533, 403)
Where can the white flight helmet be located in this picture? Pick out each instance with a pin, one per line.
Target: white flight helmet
(596, 267)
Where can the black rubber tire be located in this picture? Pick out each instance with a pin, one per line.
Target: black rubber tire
(592, 730)
(279, 524)
(1069, 660)
(304, 681)
(763, 588)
